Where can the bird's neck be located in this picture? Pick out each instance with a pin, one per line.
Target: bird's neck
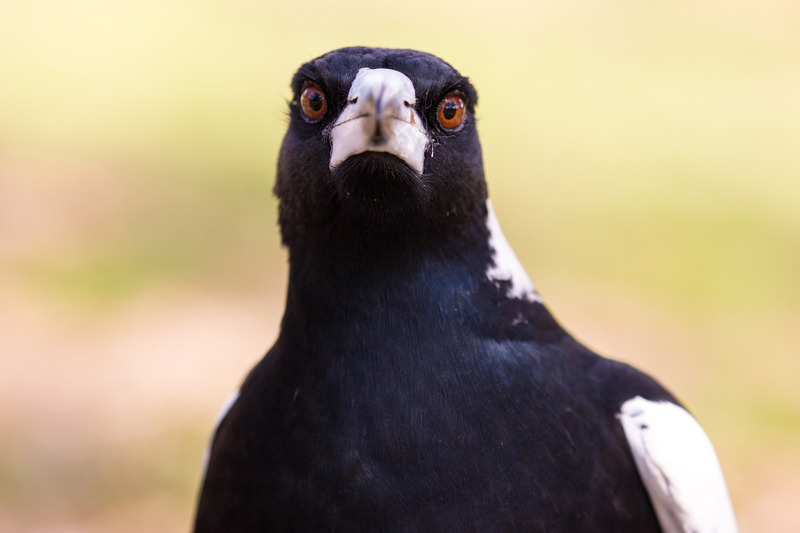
(350, 273)
(406, 298)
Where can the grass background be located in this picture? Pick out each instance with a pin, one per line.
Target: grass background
(644, 161)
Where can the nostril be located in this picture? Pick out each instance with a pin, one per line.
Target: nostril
(408, 104)
(353, 100)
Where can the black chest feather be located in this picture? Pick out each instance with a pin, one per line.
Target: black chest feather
(440, 428)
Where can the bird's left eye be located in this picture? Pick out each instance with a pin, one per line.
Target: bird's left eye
(451, 112)
(313, 103)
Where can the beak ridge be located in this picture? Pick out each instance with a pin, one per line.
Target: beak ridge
(380, 117)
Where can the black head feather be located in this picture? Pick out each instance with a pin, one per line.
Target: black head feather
(377, 193)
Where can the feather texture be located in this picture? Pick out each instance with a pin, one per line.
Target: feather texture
(678, 466)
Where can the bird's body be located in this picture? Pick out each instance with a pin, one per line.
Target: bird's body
(418, 383)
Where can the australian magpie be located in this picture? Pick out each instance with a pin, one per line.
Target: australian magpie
(418, 383)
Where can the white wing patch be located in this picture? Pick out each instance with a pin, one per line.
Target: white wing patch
(506, 265)
(679, 468)
(226, 406)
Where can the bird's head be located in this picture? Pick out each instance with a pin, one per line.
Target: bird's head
(380, 140)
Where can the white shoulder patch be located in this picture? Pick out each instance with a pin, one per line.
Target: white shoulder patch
(679, 468)
(226, 406)
(506, 265)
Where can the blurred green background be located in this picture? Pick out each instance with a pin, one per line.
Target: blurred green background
(644, 160)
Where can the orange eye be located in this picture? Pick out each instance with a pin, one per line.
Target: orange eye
(451, 112)
(312, 102)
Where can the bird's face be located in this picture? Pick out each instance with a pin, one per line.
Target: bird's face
(380, 137)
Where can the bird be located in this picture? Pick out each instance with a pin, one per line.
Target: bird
(418, 382)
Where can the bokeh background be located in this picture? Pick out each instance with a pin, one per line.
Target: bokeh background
(643, 158)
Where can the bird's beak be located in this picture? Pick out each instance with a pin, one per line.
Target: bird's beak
(380, 117)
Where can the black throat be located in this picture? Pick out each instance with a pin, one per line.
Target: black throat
(351, 269)
(365, 291)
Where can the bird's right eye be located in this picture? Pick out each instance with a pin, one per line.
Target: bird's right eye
(313, 103)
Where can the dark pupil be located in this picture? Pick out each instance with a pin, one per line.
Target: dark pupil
(449, 111)
(315, 101)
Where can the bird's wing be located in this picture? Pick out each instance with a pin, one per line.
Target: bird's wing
(679, 468)
(226, 406)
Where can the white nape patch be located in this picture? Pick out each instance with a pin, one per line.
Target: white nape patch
(506, 265)
(380, 101)
(679, 468)
(226, 406)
